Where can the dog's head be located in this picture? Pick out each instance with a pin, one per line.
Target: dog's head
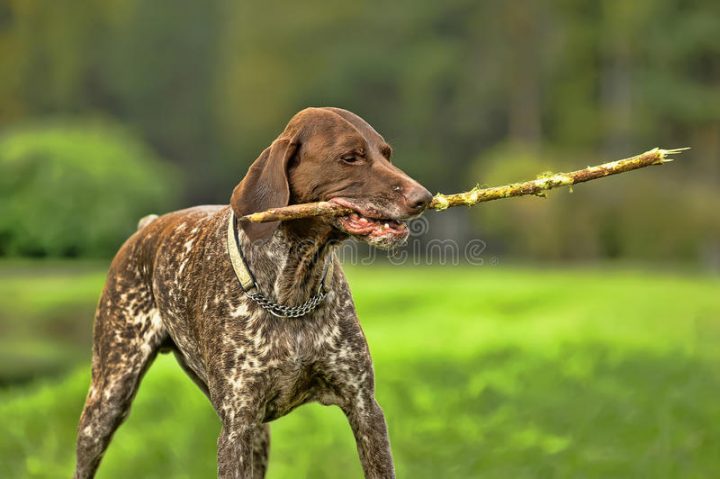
(330, 154)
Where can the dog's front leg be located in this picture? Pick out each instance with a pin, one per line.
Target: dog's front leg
(368, 424)
(241, 426)
(235, 450)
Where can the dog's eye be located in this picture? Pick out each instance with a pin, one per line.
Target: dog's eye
(349, 158)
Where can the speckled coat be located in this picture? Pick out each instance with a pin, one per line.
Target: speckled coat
(171, 287)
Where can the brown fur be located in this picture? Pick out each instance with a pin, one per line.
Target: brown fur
(172, 286)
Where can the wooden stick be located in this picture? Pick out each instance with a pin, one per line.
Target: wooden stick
(539, 186)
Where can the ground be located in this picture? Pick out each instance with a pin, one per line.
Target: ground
(487, 371)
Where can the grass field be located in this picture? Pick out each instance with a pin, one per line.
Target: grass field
(491, 372)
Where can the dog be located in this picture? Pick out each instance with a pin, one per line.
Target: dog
(260, 316)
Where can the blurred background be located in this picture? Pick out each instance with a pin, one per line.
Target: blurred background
(588, 324)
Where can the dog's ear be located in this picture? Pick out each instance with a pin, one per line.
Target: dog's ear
(264, 186)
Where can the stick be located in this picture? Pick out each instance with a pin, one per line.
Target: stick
(539, 186)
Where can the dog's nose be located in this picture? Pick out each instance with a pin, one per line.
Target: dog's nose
(418, 198)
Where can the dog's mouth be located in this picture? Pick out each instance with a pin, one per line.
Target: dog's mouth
(370, 226)
(359, 225)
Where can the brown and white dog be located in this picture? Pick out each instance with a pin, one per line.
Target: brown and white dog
(173, 286)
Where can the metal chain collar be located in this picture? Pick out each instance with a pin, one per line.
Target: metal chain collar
(283, 311)
(248, 284)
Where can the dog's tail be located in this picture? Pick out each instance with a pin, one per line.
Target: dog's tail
(146, 220)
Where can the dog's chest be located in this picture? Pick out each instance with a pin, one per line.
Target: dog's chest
(290, 384)
(284, 362)
(298, 370)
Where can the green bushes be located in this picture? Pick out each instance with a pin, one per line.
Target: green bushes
(76, 188)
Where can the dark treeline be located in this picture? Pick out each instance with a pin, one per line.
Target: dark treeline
(467, 91)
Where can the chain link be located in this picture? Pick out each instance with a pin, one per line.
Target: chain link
(282, 311)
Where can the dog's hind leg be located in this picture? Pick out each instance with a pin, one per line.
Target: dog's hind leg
(128, 333)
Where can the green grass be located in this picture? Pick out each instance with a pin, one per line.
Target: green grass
(46, 310)
(488, 372)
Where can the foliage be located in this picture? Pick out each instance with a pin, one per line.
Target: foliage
(76, 188)
(560, 373)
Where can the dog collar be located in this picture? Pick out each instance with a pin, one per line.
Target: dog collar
(248, 284)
